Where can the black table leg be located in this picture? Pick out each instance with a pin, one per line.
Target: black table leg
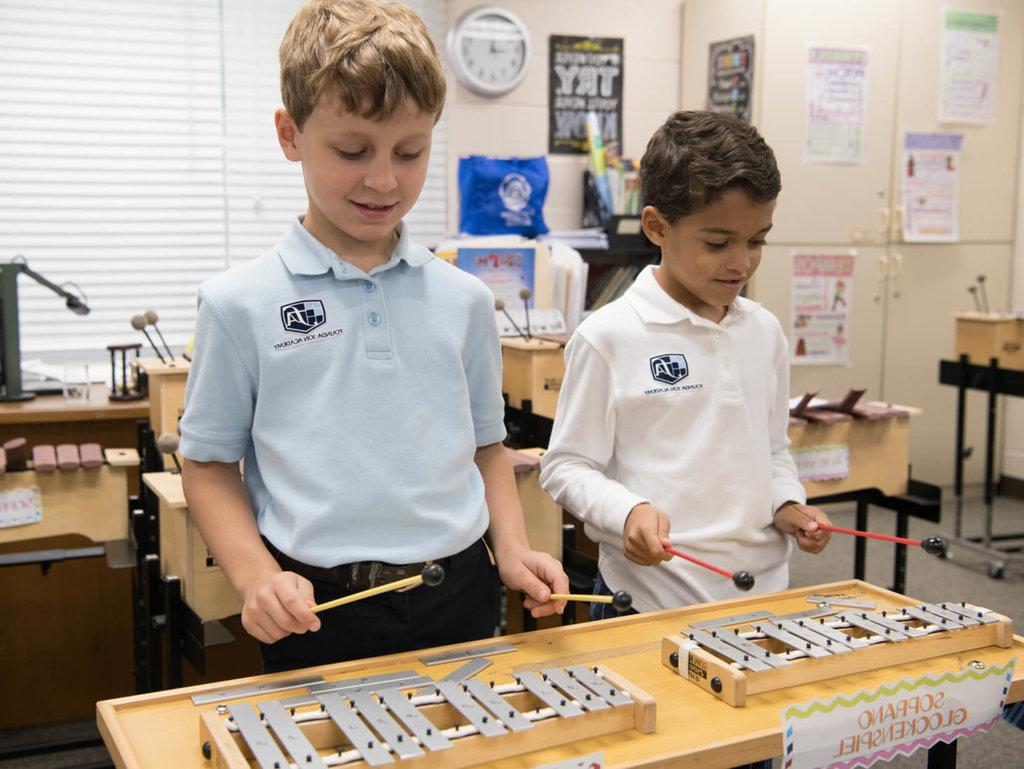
(859, 545)
(942, 755)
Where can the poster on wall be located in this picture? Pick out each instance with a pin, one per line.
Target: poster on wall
(585, 76)
(822, 308)
(931, 187)
(970, 59)
(731, 77)
(837, 105)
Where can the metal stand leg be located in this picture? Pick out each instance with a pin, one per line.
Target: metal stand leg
(990, 441)
(942, 755)
(958, 482)
(859, 545)
(899, 569)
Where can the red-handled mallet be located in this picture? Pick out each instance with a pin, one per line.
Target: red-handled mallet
(932, 545)
(744, 580)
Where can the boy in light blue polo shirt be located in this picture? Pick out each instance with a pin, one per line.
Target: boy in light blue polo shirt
(357, 376)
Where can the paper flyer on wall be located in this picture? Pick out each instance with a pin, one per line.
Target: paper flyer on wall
(970, 61)
(731, 77)
(930, 187)
(822, 308)
(837, 105)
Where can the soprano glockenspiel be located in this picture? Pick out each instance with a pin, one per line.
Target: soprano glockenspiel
(747, 654)
(452, 725)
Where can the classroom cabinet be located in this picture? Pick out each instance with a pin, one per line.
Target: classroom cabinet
(904, 295)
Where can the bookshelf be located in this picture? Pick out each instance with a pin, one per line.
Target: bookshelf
(612, 270)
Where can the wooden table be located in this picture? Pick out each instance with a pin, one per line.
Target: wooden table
(80, 606)
(161, 730)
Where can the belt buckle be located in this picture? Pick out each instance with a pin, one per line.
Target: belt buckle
(406, 568)
(374, 575)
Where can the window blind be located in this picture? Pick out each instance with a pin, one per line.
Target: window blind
(138, 156)
(111, 169)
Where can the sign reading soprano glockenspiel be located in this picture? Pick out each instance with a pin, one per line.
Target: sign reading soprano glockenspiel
(894, 719)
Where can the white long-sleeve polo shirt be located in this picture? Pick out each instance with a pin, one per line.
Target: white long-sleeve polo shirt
(663, 406)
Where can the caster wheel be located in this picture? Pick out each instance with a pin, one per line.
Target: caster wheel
(996, 569)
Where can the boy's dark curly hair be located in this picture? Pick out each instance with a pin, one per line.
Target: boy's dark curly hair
(696, 156)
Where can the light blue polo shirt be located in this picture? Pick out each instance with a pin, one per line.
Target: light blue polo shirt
(356, 400)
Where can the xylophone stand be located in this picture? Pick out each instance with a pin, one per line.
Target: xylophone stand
(994, 381)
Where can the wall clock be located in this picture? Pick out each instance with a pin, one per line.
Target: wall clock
(489, 48)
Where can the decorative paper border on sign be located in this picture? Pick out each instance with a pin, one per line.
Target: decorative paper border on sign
(824, 462)
(997, 679)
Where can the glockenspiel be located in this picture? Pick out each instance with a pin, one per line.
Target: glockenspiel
(443, 724)
(759, 652)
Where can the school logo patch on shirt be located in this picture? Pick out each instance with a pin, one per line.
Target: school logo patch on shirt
(670, 368)
(302, 317)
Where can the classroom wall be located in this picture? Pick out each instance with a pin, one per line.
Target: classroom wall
(517, 123)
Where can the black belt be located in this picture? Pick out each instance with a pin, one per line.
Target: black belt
(361, 575)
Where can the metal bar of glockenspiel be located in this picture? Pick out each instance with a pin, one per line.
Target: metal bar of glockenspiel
(470, 709)
(594, 681)
(885, 621)
(933, 620)
(574, 689)
(428, 735)
(953, 615)
(984, 616)
(749, 652)
(494, 702)
(256, 736)
(384, 725)
(731, 653)
(811, 648)
(815, 631)
(290, 735)
(861, 621)
(354, 729)
(546, 694)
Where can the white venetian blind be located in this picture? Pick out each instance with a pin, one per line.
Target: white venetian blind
(138, 156)
(264, 190)
(111, 170)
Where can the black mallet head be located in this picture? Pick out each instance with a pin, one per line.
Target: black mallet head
(622, 601)
(744, 580)
(433, 574)
(934, 546)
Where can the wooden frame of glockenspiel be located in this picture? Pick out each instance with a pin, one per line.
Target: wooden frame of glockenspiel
(228, 750)
(727, 682)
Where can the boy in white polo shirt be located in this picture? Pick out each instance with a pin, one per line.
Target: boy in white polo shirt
(357, 376)
(671, 422)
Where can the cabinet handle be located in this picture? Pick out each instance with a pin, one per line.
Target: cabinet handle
(883, 274)
(897, 274)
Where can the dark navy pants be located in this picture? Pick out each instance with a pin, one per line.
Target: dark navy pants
(462, 608)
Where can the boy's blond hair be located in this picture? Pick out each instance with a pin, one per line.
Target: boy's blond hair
(371, 55)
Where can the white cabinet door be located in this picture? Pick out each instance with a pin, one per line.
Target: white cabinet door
(988, 163)
(928, 284)
(772, 287)
(835, 204)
